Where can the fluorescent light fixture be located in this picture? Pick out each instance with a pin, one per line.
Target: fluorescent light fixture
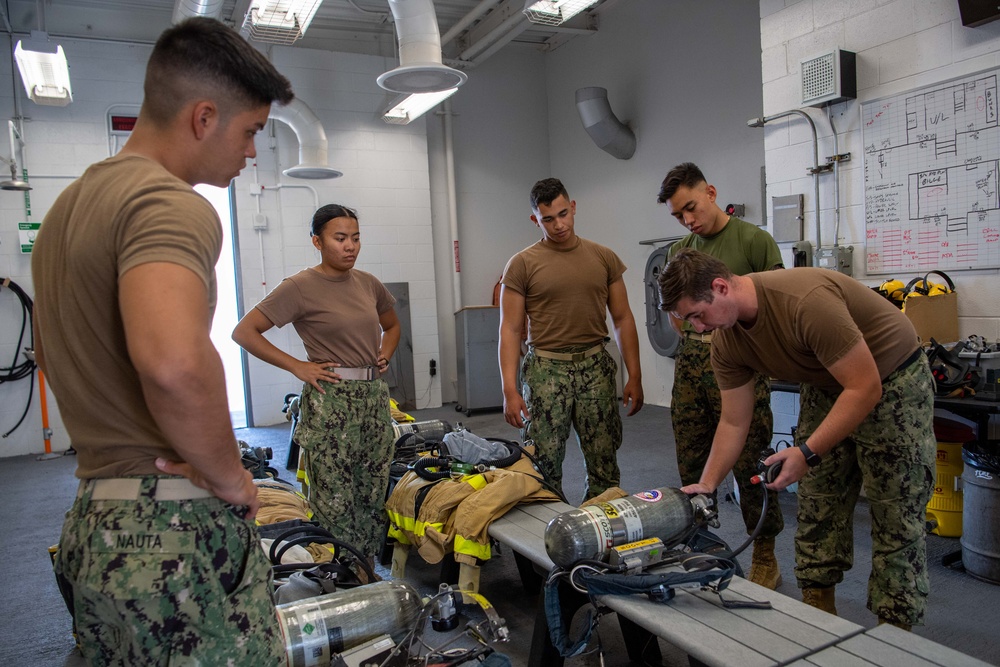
(279, 21)
(554, 12)
(404, 109)
(44, 70)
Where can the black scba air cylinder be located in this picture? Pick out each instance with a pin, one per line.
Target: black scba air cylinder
(591, 532)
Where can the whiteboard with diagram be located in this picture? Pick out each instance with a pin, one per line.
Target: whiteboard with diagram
(932, 192)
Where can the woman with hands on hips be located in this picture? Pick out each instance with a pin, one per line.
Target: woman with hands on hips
(349, 329)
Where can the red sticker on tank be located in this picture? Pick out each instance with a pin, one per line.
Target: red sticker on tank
(649, 496)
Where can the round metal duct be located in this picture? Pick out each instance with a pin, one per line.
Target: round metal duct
(420, 68)
(662, 336)
(610, 134)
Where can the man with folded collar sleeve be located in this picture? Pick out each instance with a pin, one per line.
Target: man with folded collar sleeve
(566, 285)
(865, 419)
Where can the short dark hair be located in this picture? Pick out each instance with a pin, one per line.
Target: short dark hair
(325, 214)
(689, 274)
(546, 191)
(202, 57)
(686, 174)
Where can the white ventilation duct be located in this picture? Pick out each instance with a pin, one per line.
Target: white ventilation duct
(312, 141)
(420, 68)
(184, 9)
(610, 134)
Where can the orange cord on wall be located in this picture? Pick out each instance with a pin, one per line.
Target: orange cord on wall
(46, 433)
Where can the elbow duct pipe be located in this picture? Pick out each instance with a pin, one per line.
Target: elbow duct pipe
(609, 133)
(187, 8)
(313, 158)
(420, 68)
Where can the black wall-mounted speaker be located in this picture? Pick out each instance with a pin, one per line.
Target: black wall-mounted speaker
(977, 12)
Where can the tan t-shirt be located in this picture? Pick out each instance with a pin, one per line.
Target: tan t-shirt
(565, 291)
(336, 318)
(123, 212)
(807, 319)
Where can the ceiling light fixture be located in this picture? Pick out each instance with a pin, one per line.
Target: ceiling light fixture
(279, 21)
(403, 109)
(44, 70)
(554, 12)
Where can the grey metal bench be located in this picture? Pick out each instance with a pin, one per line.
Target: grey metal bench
(888, 646)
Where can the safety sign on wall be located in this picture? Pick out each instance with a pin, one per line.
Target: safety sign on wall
(26, 232)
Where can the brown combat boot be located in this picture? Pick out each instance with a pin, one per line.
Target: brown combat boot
(901, 626)
(821, 598)
(764, 566)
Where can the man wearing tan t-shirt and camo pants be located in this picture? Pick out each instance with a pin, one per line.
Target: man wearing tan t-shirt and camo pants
(159, 559)
(566, 285)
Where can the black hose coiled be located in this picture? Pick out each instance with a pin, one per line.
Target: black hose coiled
(26, 368)
(421, 465)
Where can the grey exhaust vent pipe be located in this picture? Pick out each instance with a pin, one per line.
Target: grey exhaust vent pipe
(610, 134)
(187, 8)
(420, 68)
(313, 157)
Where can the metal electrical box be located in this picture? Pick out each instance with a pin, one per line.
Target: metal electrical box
(839, 258)
(787, 218)
(477, 337)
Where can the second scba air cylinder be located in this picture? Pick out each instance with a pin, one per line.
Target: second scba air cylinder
(591, 532)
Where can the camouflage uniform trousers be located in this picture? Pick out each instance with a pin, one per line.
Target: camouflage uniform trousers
(696, 406)
(892, 453)
(177, 583)
(582, 394)
(346, 442)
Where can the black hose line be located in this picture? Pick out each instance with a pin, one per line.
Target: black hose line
(24, 369)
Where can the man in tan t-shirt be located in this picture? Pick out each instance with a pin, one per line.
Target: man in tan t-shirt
(159, 558)
(865, 417)
(566, 285)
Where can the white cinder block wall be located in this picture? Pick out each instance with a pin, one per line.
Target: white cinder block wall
(386, 178)
(900, 45)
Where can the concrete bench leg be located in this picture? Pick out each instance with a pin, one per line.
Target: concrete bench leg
(640, 643)
(468, 580)
(400, 552)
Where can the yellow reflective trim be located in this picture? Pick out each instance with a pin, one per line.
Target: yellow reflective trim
(398, 535)
(478, 482)
(472, 548)
(412, 526)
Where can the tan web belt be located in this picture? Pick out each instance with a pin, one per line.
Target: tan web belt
(569, 356)
(128, 488)
(702, 337)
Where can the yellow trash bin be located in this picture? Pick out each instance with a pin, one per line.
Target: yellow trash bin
(945, 507)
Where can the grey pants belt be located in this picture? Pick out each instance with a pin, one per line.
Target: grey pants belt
(363, 373)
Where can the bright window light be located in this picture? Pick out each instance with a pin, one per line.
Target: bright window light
(44, 70)
(279, 21)
(409, 108)
(554, 12)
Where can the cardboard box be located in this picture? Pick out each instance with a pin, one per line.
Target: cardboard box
(934, 317)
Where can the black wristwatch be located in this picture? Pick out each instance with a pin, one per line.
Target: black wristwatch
(812, 459)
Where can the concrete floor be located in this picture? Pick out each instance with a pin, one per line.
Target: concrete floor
(35, 627)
